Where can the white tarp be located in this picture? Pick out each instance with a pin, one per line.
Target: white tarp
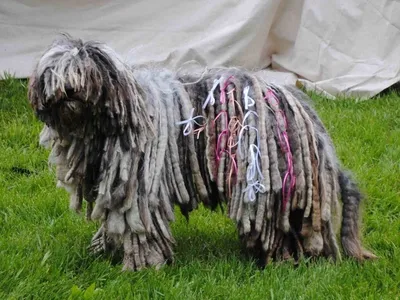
(342, 46)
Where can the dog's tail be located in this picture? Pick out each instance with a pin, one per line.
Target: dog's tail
(350, 234)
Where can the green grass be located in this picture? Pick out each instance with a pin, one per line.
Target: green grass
(43, 244)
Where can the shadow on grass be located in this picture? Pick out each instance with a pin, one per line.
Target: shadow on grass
(201, 245)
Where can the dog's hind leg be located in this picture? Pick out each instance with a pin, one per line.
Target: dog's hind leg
(351, 198)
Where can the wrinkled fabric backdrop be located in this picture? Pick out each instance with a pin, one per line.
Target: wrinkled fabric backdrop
(341, 47)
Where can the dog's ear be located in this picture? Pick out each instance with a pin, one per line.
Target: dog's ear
(33, 91)
(36, 91)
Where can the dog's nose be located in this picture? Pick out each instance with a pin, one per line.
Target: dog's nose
(69, 92)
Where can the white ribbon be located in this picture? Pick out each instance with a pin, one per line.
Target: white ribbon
(254, 165)
(189, 123)
(248, 101)
(252, 189)
(254, 169)
(248, 114)
(246, 127)
(210, 98)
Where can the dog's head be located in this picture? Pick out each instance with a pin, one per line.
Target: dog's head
(79, 86)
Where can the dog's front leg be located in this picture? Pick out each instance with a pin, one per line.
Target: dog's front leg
(149, 249)
(152, 248)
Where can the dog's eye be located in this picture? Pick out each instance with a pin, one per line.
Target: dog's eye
(70, 93)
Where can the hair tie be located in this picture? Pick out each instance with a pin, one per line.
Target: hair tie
(210, 98)
(189, 123)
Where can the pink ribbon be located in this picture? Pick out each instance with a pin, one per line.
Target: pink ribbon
(233, 127)
(222, 97)
(289, 179)
(219, 149)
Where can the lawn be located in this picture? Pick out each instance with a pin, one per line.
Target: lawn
(43, 245)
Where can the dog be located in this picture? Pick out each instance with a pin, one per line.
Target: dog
(135, 141)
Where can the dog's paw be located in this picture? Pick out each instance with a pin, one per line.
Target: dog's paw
(368, 254)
